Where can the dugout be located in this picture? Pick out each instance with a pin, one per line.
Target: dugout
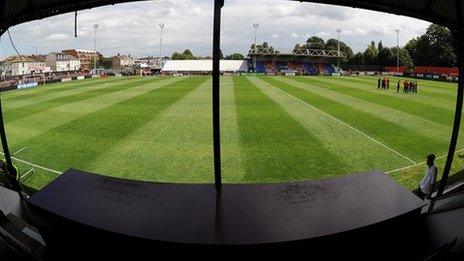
(83, 215)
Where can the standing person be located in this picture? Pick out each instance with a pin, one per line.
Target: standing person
(378, 83)
(405, 86)
(430, 178)
(388, 83)
(415, 87)
(384, 84)
(398, 86)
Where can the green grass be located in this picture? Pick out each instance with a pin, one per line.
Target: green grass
(274, 129)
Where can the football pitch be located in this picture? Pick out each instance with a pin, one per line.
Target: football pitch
(274, 129)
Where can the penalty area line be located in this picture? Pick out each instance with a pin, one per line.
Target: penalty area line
(37, 166)
(420, 163)
(347, 125)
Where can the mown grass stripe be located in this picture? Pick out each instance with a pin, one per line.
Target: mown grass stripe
(277, 148)
(352, 149)
(29, 127)
(420, 98)
(174, 145)
(411, 144)
(86, 138)
(18, 94)
(232, 161)
(432, 93)
(421, 110)
(415, 124)
(40, 97)
(28, 111)
(54, 88)
(35, 165)
(444, 90)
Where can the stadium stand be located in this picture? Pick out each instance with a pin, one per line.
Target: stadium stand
(271, 68)
(282, 66)
(260, 67)
(322, 68)
(310, 68)
(330, 68)
(302, 68)
(298, 67)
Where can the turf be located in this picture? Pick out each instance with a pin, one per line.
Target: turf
(273, 129)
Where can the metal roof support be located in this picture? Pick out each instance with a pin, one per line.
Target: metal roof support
(459, 38)
(218, 4)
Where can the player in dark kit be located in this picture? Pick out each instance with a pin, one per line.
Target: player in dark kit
(378, 83)
(398, 86)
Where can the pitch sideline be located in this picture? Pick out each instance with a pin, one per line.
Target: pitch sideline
(349, 126)
(420, 163)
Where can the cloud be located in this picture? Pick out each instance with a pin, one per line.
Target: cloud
(58, 37)
(323, 34)
(360, 31)
(132, 28)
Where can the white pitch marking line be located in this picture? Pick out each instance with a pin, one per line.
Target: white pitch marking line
(420, 163)
(37, 166)
(349, 126)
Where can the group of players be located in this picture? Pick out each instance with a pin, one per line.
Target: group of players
(408, 86)
(383, 83)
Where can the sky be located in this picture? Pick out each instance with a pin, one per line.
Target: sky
(133, 28)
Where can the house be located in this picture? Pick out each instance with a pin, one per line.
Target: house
(121, 62)
(86, 57)
(16, 65)
(62, 62)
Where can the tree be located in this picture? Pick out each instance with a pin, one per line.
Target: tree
(332, 44)
(370, 54)
(297, 48)
(357, 59)
(177, 56)
(380, 46)
(106, 63)
(385, 56)
(435, 48)
(411, 47)
(186, 55)
(315, 43)
(235, 56)
(405, 58)
(264, 46)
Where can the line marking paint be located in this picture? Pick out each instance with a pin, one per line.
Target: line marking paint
(347, 125)
(37, 166)
(420, 163)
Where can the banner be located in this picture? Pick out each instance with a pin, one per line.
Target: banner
(27, 85)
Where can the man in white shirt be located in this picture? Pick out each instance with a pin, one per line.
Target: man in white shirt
(430, 178)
